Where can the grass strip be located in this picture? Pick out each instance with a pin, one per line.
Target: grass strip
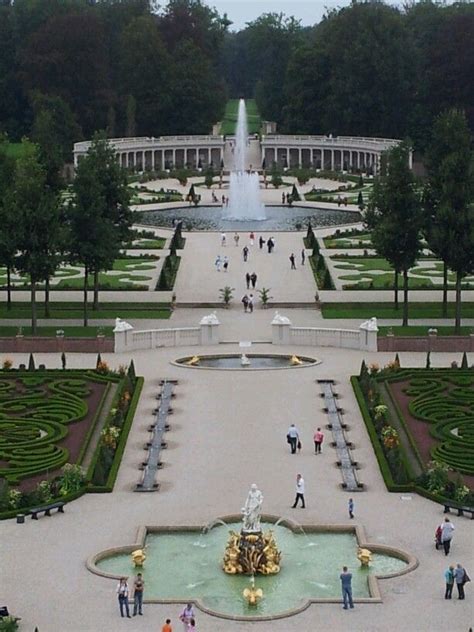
(387, 310)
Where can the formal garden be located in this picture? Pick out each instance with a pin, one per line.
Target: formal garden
(421, 425)
(62, 432)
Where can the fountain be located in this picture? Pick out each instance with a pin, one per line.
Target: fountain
(252, 551)
(244, 197)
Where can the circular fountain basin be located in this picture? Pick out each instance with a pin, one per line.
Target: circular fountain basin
(186, 565)
(277, 218)
(257, 361)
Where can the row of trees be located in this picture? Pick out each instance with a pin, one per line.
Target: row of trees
(365, 69)
(402, 214)
(78, 66)
(41, 228)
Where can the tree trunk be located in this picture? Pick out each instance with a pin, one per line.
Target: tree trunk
(445, 289)
(395, 289)
(9, 288)
(457, 324)
(86, 280)
(33, 307)
(95, 305)
(405, 298)
(46, 299)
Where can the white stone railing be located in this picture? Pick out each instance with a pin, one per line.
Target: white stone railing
(142, 143)
(365, 338)
(127, 339)
(374, 144)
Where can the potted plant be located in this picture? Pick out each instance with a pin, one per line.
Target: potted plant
(226, 294)
(264, 294)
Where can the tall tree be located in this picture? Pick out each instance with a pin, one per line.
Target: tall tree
(36, 208)
(8, 220)
(99, 217)
(449, 197)
(395, 218)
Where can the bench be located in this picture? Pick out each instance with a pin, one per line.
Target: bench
(461, 509)
(47, 510)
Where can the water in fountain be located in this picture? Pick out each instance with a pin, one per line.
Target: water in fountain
(244, 196)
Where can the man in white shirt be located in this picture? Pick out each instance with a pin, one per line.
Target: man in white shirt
(299, 492)
(447, 532)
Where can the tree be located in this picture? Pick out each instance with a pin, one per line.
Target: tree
(36, 208)
(8, 220)
(99, 217)
(448, 200)
(394, 216)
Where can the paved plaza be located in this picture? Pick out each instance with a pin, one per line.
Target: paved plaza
(227, 431)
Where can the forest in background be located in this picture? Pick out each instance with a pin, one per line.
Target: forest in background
(71, 67)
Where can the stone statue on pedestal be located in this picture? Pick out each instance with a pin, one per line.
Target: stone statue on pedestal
(252, 510)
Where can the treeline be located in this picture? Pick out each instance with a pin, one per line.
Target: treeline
(366, 69)
(73, 67)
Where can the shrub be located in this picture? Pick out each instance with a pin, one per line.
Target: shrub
(72, 479)
(102, 368)
(7, 364)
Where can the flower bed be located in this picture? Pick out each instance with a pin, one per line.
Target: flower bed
(48, 423)
(432, 410)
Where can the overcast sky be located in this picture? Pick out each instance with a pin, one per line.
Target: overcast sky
(242, 11)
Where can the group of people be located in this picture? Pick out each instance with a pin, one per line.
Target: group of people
(187, 616)
(454, 574)
(294, 441)
(221, 262)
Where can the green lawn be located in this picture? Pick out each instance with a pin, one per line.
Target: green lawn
(348, 241)
(229, 121)
(376, 273)
(148, 244)
(386, 310)
(63, 310)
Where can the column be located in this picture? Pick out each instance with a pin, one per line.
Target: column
(332, 159)
(162, 160)
(174, 158)
(300, 160)
(209, 157)
(185, 156)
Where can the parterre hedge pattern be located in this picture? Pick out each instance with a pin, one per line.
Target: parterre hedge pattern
(35, 411)
(446, 402)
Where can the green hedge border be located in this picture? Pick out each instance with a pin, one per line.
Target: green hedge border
(382, 461)
(108, 487)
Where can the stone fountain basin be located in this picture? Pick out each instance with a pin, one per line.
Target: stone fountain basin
(184, 564)
(258, 362)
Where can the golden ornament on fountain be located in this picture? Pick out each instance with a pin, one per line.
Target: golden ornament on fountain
(138, 557)
(364, 556)
(252, 594)
(295, 361)
(194, 361)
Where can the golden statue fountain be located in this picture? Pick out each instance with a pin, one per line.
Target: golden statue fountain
(252, 551)
(364, 556)
(138, 557)
(252, 594)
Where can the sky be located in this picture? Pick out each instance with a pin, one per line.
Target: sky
(241, 11)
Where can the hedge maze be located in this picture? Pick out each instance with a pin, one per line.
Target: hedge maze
(36, 413)
(445, 400)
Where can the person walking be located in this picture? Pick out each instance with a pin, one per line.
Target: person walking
(167, 626)
(449, 577)
(186, 616)
(350, 507)
(269, 245)
(292, 437)
(248, 278)
(460, 577)
(225, 264)
(261, 242)
(138, 587)
(346, 586)
(192, 626)
(447, 532)
(223, 239)
(318, 441)
(303, 257)
(245, 253)
(252, 238)
(253, 278)
(218, 263)
(236, 238)
(299, 492)
(122, 593)
(292, 260)
(245, 301)
(251, 303)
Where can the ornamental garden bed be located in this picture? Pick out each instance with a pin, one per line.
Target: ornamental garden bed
(421, 424)
(62, 432)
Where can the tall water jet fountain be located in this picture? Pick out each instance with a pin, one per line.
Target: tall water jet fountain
(244, 195)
